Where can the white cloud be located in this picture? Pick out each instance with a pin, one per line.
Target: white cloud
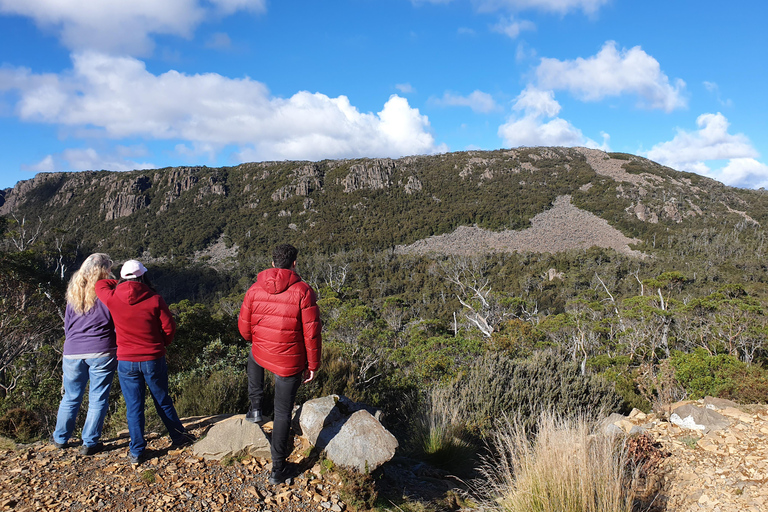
(90, 159)
(119, 98)
(478, 101)
(45, 165)
(536, 102)
(119, 26)
(313, 126)
(612, 73)
(743, 172)
(711, 142)
(690, 151)
(558, 6)
(524, 52)
(715, 89)
(531, 129)
(511, 27)
(405, 88)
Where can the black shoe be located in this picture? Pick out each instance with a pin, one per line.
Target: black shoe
(60, 446)
(135, 460)
(185, 440)
(91, 450)
(254, 416)
(281, 476)
(278, 478)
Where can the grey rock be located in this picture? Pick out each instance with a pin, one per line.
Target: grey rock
(234, 437)
(698, 418)
(359, 442)
(608, 425)
(711, 402)
(350, 433)
(317, 414)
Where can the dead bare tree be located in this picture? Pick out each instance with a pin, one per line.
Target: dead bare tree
(482, 308)
(30, 315)
(24, 236)
(336, 276)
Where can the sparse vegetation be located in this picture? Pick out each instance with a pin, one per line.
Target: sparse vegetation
(562, 468)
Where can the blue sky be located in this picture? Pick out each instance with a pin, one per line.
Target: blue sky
(116, 85)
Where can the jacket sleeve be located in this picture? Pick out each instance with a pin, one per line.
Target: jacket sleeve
(167, 323)
(105, 289)
(312, 327)
(244, 318)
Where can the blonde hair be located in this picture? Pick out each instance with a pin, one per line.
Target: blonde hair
(81, 291)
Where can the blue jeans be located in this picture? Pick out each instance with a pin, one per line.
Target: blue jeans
(135, 377)
(77, 372)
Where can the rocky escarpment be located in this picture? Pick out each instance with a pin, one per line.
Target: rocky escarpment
(112, 195)
(679, 199)
(385, 202)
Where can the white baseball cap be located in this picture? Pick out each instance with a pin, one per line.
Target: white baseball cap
(131, 269)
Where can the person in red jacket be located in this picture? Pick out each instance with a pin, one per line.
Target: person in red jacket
(281, 319)
(144, 326)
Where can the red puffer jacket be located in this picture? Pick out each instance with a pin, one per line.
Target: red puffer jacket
(143, 323)
(281, 319)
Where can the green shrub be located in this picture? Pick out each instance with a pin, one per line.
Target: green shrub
(721, 375)
(746, 385)
(496, 385)
(358, 490)
(625, 386)
(21, 424)
(222, 392)
(336, 375)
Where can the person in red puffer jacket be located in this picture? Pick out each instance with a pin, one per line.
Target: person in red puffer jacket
(281, 319)
(144, 326)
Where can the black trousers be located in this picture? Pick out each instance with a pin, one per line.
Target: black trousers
(285, 396)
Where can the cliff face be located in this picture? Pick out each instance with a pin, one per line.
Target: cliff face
(382, 202)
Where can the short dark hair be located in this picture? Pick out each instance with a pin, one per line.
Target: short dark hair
(284, 255)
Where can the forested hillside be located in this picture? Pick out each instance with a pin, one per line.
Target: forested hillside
(330, 206)
(678, 309)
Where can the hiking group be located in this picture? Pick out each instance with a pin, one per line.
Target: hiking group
(124, 326)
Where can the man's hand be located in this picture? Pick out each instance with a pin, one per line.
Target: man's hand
(309, 376)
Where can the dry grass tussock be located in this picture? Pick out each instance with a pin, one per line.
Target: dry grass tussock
(564, 468)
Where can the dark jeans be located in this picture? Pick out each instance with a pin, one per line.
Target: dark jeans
(134, 379)
(285, 395)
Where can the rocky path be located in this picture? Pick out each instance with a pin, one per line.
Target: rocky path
(42, 477)
(723, 470)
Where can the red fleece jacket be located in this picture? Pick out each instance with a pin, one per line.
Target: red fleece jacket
(281, 319)
(143, 323)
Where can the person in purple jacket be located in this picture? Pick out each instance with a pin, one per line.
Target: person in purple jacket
(90, 353)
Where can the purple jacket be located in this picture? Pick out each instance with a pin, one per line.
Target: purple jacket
(90, 333)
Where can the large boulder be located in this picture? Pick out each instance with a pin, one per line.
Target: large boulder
(234, 437)
(692, 417)
(348, 432)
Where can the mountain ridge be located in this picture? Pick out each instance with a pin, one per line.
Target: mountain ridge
(377, 203)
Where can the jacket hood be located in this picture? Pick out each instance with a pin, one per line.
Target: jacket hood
(277, 280)
(132, 292)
